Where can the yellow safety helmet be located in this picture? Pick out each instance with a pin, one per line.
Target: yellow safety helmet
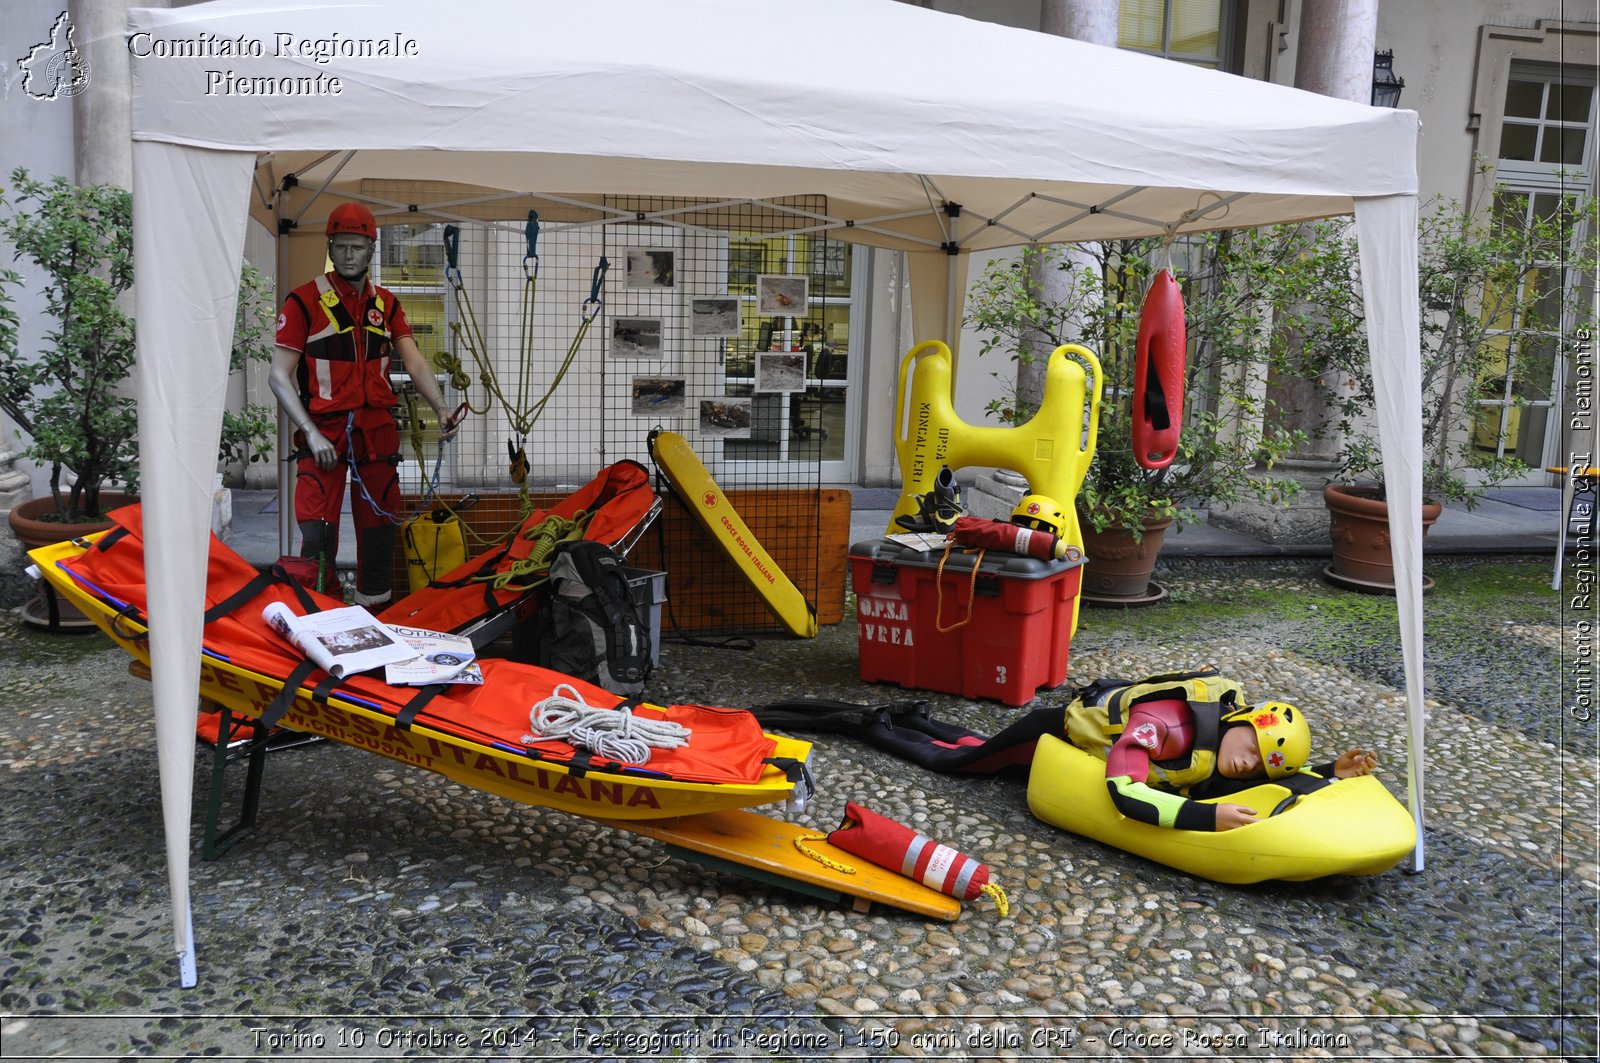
(1041, 512)
(1283, 734)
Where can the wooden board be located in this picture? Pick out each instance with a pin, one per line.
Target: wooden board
(746, 842)
(807, 532)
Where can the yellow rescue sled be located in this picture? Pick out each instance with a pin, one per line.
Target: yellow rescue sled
(692, 482)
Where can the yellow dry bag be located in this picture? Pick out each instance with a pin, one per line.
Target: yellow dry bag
(435, 543)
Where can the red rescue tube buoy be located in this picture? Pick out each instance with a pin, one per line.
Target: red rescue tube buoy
(1159, 356)
(986, 534)
(899, 848)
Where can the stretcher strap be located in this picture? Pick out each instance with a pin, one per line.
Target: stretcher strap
(269, 577)
(111, 538)
(408, 714)
(320, 692)
(286, 696)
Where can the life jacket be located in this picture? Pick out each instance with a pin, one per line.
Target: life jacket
(1098, 715)
(345, 365)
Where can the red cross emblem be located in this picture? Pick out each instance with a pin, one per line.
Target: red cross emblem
(1275, 759)
(375, 317)
(1145, 735)
(709, 498)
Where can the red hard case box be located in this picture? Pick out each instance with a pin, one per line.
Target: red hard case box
(1016, 640)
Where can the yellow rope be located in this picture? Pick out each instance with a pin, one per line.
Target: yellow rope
(1001, 905)
(831, 864)
(547, 535)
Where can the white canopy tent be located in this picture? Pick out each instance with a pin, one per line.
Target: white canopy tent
(903, 115)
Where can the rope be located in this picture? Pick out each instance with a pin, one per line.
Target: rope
(546, 535)
(614, 733)
(1001, 905)
(520, 411)
(832, 865)
(972, 592)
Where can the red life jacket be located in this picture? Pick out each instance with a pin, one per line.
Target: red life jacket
(345, 365)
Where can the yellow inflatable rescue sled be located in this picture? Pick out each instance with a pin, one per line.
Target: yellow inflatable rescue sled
(1351, 827)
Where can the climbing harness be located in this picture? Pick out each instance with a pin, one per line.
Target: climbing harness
(521, 409)
(611, 732)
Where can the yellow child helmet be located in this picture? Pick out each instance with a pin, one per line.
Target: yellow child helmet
(1281, 731)
(1041, 512)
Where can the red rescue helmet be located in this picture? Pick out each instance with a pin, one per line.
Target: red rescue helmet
(352, 218)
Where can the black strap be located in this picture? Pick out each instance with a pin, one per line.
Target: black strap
(111, 538)
(793, 770)
(130, 612)
(320, 692)
(408, 714)
(251, 588)
(286, 696)
(268, 577)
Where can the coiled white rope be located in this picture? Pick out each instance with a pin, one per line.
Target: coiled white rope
(614, 733)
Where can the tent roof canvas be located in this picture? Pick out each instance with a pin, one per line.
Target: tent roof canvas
(893, 113)
(1045, 137)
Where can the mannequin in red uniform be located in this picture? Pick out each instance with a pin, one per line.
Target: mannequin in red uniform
(330, 375)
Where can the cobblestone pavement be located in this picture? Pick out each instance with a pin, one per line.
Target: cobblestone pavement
(384, 912)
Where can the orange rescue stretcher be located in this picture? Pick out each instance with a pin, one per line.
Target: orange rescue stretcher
(692, 797)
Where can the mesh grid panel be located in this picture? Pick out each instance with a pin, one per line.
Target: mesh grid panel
(711, 326)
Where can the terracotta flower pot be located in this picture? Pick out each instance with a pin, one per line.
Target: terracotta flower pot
(1358, 522)
(1117, 569)
(31, 525)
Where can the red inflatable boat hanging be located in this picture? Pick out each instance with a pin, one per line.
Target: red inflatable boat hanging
(1159, 356)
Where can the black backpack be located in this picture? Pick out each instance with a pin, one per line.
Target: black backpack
(588, 625)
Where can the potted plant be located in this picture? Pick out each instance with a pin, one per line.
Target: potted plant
(248, 432)
(68, 396)
(1095, 295)
(1496, 302)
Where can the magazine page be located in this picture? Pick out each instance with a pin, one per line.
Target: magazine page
(342, 641)
(441, 658)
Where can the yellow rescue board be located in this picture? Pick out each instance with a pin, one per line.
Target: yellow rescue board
(705, 499)
(768, 846)
(1353, 827)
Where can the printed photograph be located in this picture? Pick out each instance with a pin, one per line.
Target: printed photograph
(354, 640)
(781, 372)
(636, 337)
(727, 417)
(785, 296)
(714, 317)
(649, 267)
(658, 396)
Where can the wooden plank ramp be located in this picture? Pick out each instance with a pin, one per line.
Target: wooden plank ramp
(762, 848)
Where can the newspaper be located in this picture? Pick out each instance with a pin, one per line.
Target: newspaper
(341, 641)
(441, 658)
(921, 541)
